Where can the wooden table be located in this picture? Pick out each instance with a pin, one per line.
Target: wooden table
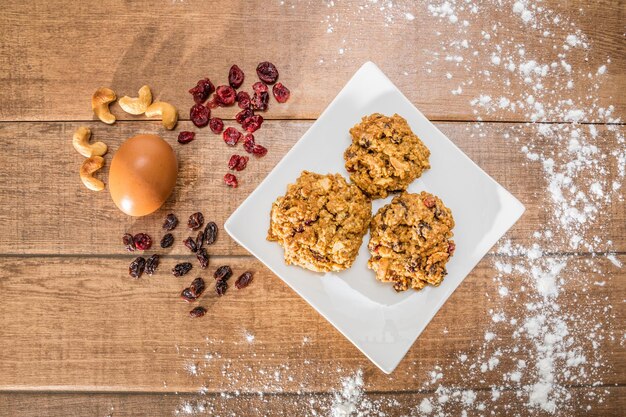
(79, 337)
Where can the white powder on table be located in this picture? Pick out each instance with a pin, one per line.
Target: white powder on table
(611, 257)
(575, 169)
(249, 337)
(351, 400)
(426, 407)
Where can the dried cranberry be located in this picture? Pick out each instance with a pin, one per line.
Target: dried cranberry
(152, 264)
(223, 273)
(243, 100)
(230, 180)
(200, 115)
(252, 123)
(213, 103)
(136, 267)
(259, 150)
(197, 312)
(202, 90)
(311, 221)
(235, 76)
(197, 287)
(171, 221)
(225, 95)
(260, 100)
(243, 162)
(249, 142)
(200, 239)
(187, 295)
(196, 220)
(250, 146)
(220, 287)
(181, 269)
(231, 136)
(429, 202)
(422, 229)
(267, 72)
(194, 291)
(216, 125)
(238, 162)
(167, 241)
(259, 87)
(244, 280)
(203, 258)
(142, 241)
(281, 93)
(190, 243)
(129, 242)
(210, 233)
(243, 115)
(233, 161)
(186, 137)
(451, 248)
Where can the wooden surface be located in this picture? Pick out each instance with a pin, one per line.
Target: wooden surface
(171, 44)
(283, 405)
(78, 337)
(145, 321)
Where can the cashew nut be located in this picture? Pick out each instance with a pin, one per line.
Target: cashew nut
(139, 104)
(168, 113)
(90, 166)
(100, 104)
(82, 145)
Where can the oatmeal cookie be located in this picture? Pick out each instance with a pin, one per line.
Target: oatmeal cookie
(410, 241)
(385, 155)
(320, 222)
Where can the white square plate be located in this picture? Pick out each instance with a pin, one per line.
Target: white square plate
(383, 324)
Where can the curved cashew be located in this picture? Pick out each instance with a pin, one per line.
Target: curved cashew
(82, 145)
(168, 113)
(100, 104)
(139, 104)
(90, 166)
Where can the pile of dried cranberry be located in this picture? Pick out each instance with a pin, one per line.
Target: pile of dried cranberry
(226, 96)
(206, 236)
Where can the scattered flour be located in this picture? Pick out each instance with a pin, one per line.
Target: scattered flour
(426, 407)
(347, 401)
(575, 168)
(191, 368)
(611, 257)
(249, 337)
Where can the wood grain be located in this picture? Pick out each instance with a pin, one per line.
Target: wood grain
(400, 404)
(79, 337)
(62, 52)
(46, 209)
(84, 325)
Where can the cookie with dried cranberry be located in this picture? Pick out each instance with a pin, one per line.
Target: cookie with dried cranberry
(320, 222)
(410, 241)
(385, 155)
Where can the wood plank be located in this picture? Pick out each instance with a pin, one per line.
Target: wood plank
(46, 210)
(612, 404)
(84, 325)
(62, 52)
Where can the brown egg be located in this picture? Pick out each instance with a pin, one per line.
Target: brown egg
(142, 175)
